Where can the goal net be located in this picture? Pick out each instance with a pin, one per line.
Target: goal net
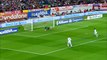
(30, 26)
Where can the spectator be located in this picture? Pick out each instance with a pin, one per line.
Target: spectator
(10, 5)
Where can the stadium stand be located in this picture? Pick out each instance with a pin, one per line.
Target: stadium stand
(15, 5)
(10, 5)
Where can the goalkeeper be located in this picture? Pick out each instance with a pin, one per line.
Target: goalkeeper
(47, 28)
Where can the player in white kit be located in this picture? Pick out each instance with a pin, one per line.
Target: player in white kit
(69, 43)
(95, 32)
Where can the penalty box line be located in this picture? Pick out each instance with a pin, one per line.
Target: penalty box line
(74, 46)
(21, 51)
(51, 51)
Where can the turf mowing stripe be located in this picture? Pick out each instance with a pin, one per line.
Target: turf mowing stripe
(73, 46)
(49, 33)
(51, 51)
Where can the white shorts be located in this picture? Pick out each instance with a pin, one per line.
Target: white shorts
(95, 33)
(69, 42)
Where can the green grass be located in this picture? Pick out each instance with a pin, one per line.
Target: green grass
(51, 45)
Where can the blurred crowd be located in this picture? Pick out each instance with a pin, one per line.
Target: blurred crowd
(10, 5)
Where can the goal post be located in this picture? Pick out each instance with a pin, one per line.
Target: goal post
(31, 25)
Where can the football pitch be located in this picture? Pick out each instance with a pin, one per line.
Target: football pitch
(52, 44)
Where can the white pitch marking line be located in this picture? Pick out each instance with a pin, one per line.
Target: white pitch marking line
(49, 33)
(73, 46)
(51, 51)
(22, 51)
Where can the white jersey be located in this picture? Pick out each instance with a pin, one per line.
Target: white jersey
(95, 31)
(69, 43)
(69, 39)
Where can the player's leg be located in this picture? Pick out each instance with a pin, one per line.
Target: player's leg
(70, 44)
(96, 35)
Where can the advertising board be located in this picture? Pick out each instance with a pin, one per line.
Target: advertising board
(38, 13)
(15, 23)
(96, 6)
(103, 7)
(82, 7)
(94, 16)
(50, 18)
(7, 31)
(13, 15)
(60, 10)
(59, 22)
